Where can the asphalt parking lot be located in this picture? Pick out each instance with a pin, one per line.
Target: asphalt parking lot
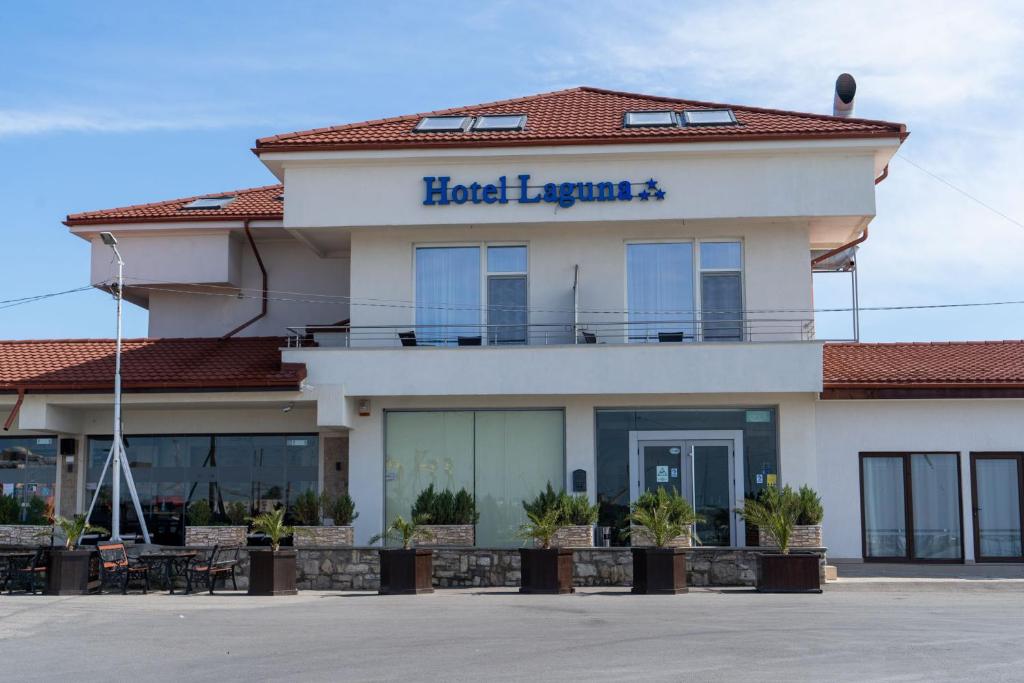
(933, 633)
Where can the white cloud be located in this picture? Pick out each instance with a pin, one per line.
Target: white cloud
(33, 122)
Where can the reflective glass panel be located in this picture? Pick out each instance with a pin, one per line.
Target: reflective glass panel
(885, 515)
(659, 281)
(935, 481)
(447, 294)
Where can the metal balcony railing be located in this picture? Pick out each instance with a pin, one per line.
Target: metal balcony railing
(690, 331)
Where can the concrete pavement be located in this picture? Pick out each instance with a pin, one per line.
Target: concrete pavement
(497, 634)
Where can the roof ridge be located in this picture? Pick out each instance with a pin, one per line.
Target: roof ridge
(410, 117)
(268, 140)
(88, 214)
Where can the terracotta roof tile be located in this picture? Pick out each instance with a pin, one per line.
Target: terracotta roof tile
(88, 364)
(252, 203)
(581, 115)
(920, 365)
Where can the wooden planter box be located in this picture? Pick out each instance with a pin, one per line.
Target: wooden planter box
(546, 570)
(272, 573)
(68, 572)
(461, 535)
(406, 572)
(659, 571)
(793, 573)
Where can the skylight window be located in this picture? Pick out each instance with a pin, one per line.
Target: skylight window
(500, 122)
(709, 117)
(639, 119)
(442, 124)
(209, 202)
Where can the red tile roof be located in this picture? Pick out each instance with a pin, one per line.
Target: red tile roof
(581, 116)
(921, 365)
(255, 203)
(88, 364)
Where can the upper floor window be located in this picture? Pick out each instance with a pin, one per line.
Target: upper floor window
(721, 291)
(451, 295)
(665, 282)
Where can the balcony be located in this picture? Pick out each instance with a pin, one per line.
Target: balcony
(689, 331)
(760, 355)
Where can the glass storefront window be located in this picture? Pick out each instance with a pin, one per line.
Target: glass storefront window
(502, 457)
(173, 472)
(28, 469)
(760, 446)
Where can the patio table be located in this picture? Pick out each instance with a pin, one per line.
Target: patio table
(175, 563)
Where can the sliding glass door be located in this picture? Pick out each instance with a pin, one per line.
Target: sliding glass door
(997, 487)
(910, 507)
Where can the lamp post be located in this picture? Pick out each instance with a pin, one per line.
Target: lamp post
(117, 456)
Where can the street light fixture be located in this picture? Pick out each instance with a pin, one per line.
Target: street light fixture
(117, 459)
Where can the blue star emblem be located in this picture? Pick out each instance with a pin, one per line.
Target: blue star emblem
(659, 195)
(652, 184)
(644, 196)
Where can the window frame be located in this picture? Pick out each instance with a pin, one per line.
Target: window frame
(975, 522)
(674, 123)
(467, 122)
(684, 117)
(485, 275)
(475, 126)
(699, 271)
(908, 507)
(696, 307)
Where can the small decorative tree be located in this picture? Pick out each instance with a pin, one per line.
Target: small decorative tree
(405, 531)
(272, 524)
(341, 508)
(776, 513)
(306, 509)
(811, 509)
(578, 510)
(236, 512)
(200, 513)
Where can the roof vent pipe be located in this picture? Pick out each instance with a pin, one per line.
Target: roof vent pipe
(846, 89)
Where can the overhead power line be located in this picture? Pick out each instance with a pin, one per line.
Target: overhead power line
(11, 303)
(961, 191)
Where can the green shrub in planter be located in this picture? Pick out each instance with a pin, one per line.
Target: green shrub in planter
(577, 510)
(811, 509)
(306, 509)
(10, 511)
(200, 513)
(445, 507)
(342, 509)
(236, 512)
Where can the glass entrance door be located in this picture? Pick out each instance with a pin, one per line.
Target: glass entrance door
(701, 470)
(997, 486)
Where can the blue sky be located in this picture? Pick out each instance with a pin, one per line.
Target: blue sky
(106, 104)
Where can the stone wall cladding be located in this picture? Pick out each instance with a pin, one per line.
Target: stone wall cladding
(463, 535)
(639, 537)
(323, 536)
(24, 534)
(804, 536)
(574, 537)
(359, 568)
(208, 536)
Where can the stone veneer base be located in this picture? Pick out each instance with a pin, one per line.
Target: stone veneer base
(25, 534)
(323, 536)
(208, 536)
(358, 568)
(577, 536)
(804, 536)
(462, 535)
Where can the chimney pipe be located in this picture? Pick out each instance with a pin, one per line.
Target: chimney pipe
(846, 89)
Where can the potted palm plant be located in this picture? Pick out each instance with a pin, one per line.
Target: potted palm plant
(664, 516)
(776, 513)
(68, 570)
(406, 570)
(272, 572)
(544, 569)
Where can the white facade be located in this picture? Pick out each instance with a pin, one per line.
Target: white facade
(345, 257)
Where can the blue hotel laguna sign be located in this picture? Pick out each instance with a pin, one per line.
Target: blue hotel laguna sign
(439, 191)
